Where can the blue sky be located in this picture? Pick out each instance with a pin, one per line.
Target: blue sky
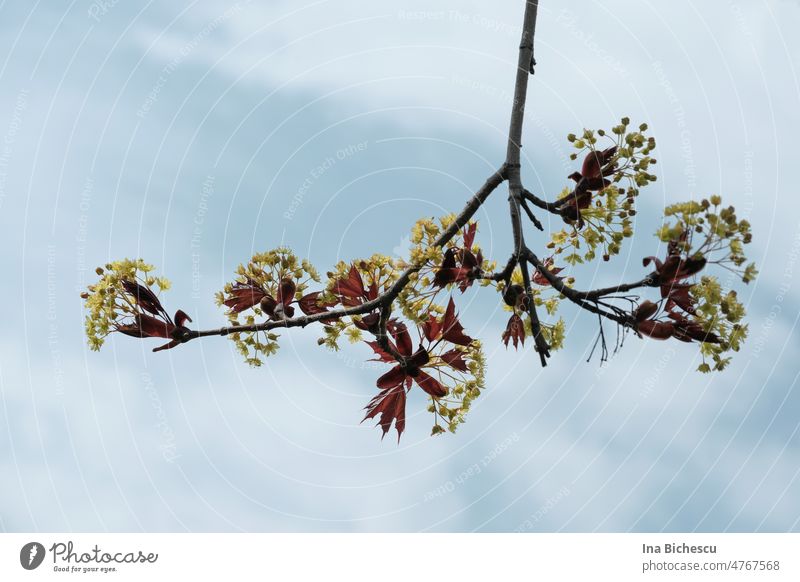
(190, 135)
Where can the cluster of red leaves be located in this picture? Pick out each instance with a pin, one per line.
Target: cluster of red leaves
(515, 297)
(671, 275)
(351, 292)
(460, 265)
(243, 296)
(539, 278)
(152, 320)
(389, 405)
(515, 330)
(592, 178)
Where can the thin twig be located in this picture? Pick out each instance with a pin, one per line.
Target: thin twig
(577, 297)
(553, 207)
(531, 215)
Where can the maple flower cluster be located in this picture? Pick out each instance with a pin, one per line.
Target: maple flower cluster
(123, 301)
(598, 210)
(695, 307)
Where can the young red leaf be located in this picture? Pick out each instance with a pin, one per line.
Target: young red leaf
(453, 331)
(430, 385)
(646, 310)
(656, 329)
(181, 318)
(594, 162)
(677, 294)
(268, 305)
(351, 287)
(447, 271)
(383, 356)
(400, 334)
(432, 328)
(391, 378)
(310, 304)
(455, 359)
(145, 298)
(286, 292)
(515, 331)
(469, 235)
(152, 327)
(244, 296)
(391, 406)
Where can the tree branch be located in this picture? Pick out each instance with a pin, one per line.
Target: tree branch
(515, 189)
(585, 300)
(383, 300)
(505, 274)
(531, 215)
(552, 207)
(650, 281)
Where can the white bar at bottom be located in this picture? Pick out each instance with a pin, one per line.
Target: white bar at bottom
(390, 557)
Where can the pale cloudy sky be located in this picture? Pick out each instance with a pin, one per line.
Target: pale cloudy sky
(184, 134)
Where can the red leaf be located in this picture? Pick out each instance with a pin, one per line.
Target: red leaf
(455, 359)
(669, 269)
(687, 330)
(286, 292)
(594, 184)
(447, 271)
(181, 318)
(243, 296)
(469, 235)
(391, 378)
(539, 278)
(647, 260)
(131, 330)
(145, 298)
(352, 286)
(391, 406)
(515, 331)
(656, 329)
(400, 334)
(372, 292)
(152, 327)
(676, 268)
(456, 275)
(469, 260)
(453, 331)
(678, 295)
(431, 328)
(383, 356)
(646, 310)
(419, 359)
(368, 322)
(691, 266)
(594, 161)
(268, 304)
(310, 304)
(430, 385)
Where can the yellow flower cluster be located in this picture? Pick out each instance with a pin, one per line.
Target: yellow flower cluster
(107, 302)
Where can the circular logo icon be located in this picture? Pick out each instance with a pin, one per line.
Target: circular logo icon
(31, 555)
